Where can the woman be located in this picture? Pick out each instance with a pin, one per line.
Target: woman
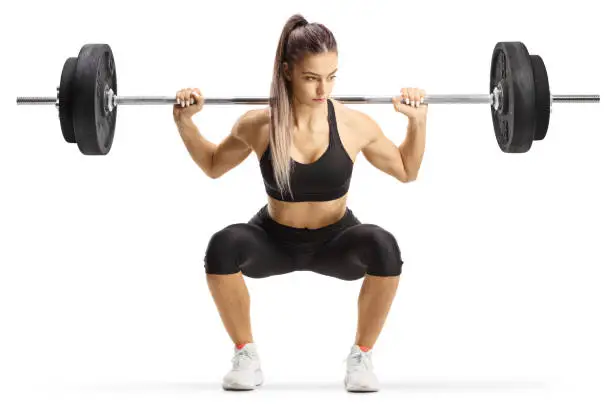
(306, 144)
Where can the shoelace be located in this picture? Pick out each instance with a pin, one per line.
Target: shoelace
(359, 361)
(243, 357)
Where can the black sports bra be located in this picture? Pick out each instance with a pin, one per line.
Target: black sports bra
(326, 179)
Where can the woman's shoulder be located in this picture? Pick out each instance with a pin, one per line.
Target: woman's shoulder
(252, 122)
(257, 121)
(255, 117)
(349, 118)
(344, 114)
(355, 126)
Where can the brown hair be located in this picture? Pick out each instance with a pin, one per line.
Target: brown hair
(298, 38)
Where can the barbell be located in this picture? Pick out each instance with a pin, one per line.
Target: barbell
(519, 97)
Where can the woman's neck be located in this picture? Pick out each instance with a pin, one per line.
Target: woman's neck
(309, 118)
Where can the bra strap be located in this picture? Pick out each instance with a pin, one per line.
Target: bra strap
(333, 127)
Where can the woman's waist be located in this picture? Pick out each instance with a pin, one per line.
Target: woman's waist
(293, 233)
(310, 215)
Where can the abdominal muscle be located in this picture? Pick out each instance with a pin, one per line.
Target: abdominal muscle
(309, 214)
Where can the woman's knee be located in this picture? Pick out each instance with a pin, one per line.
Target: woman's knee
(381, 250)
(225, 249)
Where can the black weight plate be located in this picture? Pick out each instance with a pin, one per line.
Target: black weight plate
(514, 125)
(94, 128)
(65, 100)
(542, 91)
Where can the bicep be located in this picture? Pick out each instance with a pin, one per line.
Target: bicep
(380, 151)
(235, 148)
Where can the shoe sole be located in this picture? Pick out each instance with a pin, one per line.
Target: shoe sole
(362, 389)
(240, 387)
(244, 387)
(354, 388)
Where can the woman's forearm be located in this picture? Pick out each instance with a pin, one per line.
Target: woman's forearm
(413, 147)
(201, 150)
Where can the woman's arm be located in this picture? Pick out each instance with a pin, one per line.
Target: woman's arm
(216, 160)
(401, 162)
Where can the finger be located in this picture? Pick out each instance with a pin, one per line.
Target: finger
(402, 105)
(412, 97)
(196, 98)
(180, 96)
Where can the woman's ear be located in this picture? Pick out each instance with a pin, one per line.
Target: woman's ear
(286, 72)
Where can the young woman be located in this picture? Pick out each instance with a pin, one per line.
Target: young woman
(306, 143)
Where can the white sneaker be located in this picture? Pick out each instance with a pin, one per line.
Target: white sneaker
(246, 373)
(360, 376)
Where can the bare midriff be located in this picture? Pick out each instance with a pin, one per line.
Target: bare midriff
(309, 214)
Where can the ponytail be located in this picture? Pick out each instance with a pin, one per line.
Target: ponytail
(297, 38)
(281, 112)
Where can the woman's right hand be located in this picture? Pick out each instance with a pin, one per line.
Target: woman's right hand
(183, 108)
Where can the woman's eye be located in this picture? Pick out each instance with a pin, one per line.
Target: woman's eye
(314, 79)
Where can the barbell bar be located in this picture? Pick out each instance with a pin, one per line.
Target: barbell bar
(165, 100)
(519, 98)
(257, 100)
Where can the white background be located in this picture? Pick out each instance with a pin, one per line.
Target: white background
(505, 295)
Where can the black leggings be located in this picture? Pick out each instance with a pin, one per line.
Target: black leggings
(346, 249)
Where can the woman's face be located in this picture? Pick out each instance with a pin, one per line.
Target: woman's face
(313, 78)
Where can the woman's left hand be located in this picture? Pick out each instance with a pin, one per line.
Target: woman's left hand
(411, 103)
